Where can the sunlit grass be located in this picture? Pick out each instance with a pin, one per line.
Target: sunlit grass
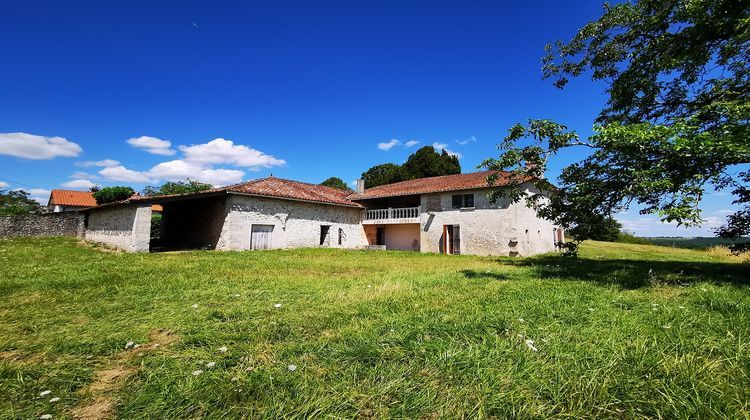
(626, 330)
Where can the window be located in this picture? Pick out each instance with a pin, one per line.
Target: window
(462, 201)
(341, 235)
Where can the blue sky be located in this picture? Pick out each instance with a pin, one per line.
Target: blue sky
(138, 93)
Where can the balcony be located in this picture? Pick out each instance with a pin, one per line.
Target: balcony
(392, 216)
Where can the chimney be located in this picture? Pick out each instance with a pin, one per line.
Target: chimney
(360, 186)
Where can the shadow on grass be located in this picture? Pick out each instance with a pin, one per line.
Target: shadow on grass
(475, 274)
(633, 274)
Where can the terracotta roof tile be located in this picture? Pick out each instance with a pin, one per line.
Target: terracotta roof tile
(432, 185)
(285, 188)
(72, 198)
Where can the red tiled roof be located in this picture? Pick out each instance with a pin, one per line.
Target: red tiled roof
(269, 187)
(71, 198)
(433, 184)
(295, 190)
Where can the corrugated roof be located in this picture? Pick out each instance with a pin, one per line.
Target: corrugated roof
(433, 184)
(71, 198)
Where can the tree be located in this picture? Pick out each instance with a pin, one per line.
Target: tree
(179, 187)
(95, 188)
(335, 182)
(738, 223)
(675, 123)
(387, 173)
(427, 162)
(13, 203)
(113, 194)
(605, 229)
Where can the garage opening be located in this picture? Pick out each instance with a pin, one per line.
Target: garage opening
(194, 223)
(261, 237)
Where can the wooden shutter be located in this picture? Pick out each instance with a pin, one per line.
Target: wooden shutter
(456, 239)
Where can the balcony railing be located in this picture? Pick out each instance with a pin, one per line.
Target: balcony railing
(398, 213)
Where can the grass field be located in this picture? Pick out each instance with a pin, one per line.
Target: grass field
(624, 331)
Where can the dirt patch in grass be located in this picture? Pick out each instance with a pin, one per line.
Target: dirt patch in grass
(111, 378)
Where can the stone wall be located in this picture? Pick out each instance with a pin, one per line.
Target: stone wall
(51, 224)
(295, 223)
(503, 228)
(126, 227)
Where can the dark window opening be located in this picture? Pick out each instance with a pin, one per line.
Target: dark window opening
(324, 233)
(341, 236)
(462, 201)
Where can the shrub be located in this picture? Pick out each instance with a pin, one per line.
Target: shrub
(113, 194)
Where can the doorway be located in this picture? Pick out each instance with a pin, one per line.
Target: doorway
(380, 236)
(451, 239)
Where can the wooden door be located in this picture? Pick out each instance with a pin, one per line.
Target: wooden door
(260, 237)
(451, 239)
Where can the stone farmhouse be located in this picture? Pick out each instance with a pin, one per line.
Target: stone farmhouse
(447, 214)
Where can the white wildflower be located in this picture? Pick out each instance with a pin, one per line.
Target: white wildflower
(292, 368)
(521, 320)
(236, 295)
(197, 372)
(129, 344)
(223, 349)
(194, 306)
(277, 305)
(530, 345)
(591, 309)
(681, 307)
(43, 393)
(45, 416)
(210, 364)
(235, 379)
(136, 346)
(56, 399)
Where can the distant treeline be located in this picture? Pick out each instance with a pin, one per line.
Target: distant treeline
(693, 243)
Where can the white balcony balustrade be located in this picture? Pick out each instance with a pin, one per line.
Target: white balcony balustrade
(393, 215)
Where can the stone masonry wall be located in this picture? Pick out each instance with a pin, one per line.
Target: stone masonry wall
(123, 227)
(503, 228)
(51, 224)
(296, 223)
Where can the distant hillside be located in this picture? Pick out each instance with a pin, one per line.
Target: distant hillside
(692, 243)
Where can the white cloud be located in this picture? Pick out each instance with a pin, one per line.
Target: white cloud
(30, 146)
(84, 184)
(152, 145)
(411, 143)
(224, 152)
(443, 146)
(83, 175)
(462, 142)
(174, 170)
(105, 163)
(123, 174)
(650, 225)
(3, 184)
(178, 170)
(388, 145)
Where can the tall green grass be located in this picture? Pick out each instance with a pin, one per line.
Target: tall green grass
(624, 331)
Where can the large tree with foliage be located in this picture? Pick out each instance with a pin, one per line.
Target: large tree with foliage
(676, 121)
(14, 203)
(387, 173)
(427, 162)
(335, 182)
(179, 187)
(113, 194)
(423, 163)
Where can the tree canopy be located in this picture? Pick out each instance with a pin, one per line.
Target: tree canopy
(335, 182)
(113, 194)
(14, 203)
(179, 187)
(425, 162)
(678, 75)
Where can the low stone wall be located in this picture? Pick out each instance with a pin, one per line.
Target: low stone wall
(127, 227)
(50, 224)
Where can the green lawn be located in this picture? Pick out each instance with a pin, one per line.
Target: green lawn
(624, 331)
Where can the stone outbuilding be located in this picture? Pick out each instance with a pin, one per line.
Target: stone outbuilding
(449, 214)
